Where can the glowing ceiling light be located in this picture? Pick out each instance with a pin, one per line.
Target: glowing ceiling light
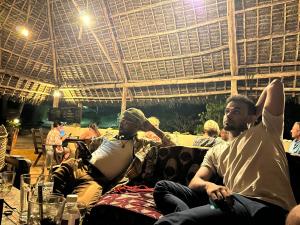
(56, 93)
(23, 31)
(85, 18)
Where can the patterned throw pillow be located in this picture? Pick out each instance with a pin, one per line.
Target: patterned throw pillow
(176, 163)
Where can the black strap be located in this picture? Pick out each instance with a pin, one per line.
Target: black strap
(82, 151)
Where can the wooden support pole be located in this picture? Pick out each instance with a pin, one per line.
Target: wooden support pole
(55, 101)
(232, 44)
(50, 21)
(124, 98)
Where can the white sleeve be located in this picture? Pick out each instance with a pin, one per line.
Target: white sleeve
(273, 124)
(209, 160)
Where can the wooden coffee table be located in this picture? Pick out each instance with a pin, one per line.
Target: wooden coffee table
(13, 199)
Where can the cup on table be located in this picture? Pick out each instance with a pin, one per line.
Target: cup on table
(6, 182)
(29, 189)
(7, 179)
(47, 211)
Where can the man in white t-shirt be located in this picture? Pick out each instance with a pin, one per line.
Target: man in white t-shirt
(110, 161)
(256, 188)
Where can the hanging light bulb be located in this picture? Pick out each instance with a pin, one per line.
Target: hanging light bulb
(23, 31)
(85, 19)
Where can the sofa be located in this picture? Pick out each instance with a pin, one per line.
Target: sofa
(133, 203)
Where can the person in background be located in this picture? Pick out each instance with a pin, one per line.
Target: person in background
(256, 185)
(111, 160)
(293, 217)
(149, 134)
(295, 133)
(54, 142)
(224, 135)
(210, 136)
(90, 133)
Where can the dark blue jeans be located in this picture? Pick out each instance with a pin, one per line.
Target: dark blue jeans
(184, 206)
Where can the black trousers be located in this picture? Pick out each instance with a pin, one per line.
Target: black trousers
(184, 206)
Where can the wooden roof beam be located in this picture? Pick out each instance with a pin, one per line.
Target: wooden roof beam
(23, 90)
(102, 48)
(117, 50)
(218, 49)
(150, 6)
(24, 57)
(222, 92)
(54, 60)
(183, 29)
(232, 45)
(261, 6)
(150, 83)
(24, 77)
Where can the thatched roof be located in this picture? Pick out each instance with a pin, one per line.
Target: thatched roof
(148, 49)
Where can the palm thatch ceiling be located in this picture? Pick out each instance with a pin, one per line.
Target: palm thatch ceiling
(147, 50)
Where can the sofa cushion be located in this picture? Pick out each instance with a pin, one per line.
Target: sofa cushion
(175, 163)
(126, 206)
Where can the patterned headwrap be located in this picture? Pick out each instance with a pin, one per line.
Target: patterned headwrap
(134, 115)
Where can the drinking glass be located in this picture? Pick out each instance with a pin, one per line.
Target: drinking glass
(7, 179)
(46, 212)
(83, 210)
(29, 189)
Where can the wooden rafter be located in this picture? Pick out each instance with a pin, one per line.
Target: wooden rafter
(54, 60)
(150, 83)
(24, 77)
(232, 44)
(101, 46)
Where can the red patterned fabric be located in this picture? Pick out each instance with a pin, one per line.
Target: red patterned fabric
(139, 202)
(133, 189)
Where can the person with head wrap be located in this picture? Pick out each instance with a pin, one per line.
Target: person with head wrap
(110, 161)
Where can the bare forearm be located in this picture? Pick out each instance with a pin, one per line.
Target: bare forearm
(165, 140)
(198, 183)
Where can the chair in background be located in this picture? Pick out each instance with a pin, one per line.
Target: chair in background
(12, 139)
(19, 164)
(39, 143)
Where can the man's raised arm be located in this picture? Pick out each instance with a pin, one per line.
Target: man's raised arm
(271, 99)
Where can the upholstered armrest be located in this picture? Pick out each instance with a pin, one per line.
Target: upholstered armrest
(19, 164)
(294, 167)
